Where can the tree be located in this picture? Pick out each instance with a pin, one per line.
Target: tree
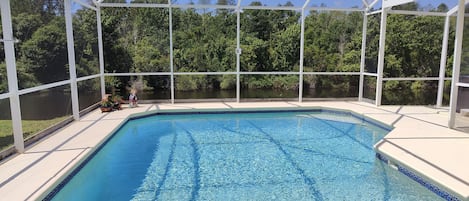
(285, 49)
(86, 42)
(442, 8)
(226, 2)
(46, 53)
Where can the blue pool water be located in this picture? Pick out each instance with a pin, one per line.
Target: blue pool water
(242, 156)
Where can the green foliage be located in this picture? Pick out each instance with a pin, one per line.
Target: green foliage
(228, 82)
(112, 83)
(148, 58)
(411, 46)
(86, 42)
(204, 40)
(286, 49)
(45, 53)
(41, 53)
(3, 78)
(191, 82)
(25, 24)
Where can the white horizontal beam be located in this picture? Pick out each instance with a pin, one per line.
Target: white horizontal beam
(228, 73)
(269, 73)
(419, 13)
(88, 77)
(411, 78)
(371, 74)
(460, 84)
(331, 73)
(374, 12)
(134, 5)
(65, 82)
(154, 5)
(195, 6)
(136, 74)
(204, 73)
(43, 87)
(297, 73)
(5, 96)
(85, 5)
(271, 8)
(204, 6)
(335, 9)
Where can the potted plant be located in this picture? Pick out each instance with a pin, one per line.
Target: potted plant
(111, 102)
(106, 104)
(116, 102)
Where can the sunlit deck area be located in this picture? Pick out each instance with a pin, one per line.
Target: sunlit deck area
(420, 141)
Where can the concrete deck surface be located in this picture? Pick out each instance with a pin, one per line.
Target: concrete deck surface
(420, 141)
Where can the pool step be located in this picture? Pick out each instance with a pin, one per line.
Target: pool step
(419, 179)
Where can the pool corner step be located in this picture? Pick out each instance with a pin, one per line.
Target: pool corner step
(426, 182)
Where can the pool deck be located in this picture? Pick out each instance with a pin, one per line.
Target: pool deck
(420, 142)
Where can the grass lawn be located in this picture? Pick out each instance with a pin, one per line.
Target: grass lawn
(30, 127)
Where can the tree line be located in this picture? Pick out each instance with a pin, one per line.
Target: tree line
(204, 40)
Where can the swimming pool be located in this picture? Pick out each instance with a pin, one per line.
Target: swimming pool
(285, 155)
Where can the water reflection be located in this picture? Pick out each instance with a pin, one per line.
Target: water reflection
(47, 105)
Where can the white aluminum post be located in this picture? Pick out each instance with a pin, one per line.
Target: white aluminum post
(302, 46)
(100, 51)
(171, 55)
(302, 50)
(457, 63)
(238, 56)
(362, 57)
(238, 52)
(382, 43)
(71, 59)
(15, 108)
(444, 53)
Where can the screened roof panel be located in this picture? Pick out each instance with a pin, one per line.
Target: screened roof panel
(337, 3)
(375, 6)
(137, 1)
(422, 4)
(296, 3)
(435, 3)
(76, 7)
(204, 2)
(428, 5)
